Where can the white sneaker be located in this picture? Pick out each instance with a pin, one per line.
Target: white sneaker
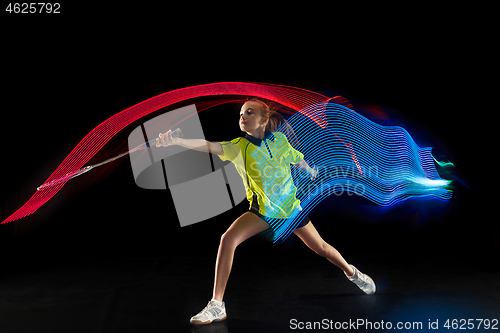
(363, 281)
(211, 313)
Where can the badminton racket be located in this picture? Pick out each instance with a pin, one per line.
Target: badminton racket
(175, 134)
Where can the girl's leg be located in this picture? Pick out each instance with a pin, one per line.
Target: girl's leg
(313, 240)
(244, 227)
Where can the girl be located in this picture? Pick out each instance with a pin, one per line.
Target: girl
(259, 123)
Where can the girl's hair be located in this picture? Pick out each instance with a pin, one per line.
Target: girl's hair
(275, 119)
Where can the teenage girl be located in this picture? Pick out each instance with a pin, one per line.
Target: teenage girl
(259, 123)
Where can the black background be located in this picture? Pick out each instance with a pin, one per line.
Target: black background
(62, 77)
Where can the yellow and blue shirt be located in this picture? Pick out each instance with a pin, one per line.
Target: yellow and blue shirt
(264, 166)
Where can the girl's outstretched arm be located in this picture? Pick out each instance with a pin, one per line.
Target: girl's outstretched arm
(166, 139)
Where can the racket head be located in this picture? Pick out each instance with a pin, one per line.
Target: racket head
(65, 178)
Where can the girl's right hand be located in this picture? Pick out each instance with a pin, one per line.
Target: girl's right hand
(314, 173)
(165, 139)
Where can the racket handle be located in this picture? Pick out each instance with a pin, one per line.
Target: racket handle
(177, 133)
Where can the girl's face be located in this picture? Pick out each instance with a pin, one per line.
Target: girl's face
(251, 119)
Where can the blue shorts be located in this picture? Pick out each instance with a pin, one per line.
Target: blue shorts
(255, 209)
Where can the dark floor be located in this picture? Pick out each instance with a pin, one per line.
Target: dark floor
(264, 294)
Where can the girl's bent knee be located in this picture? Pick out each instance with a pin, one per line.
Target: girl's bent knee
(321, 250)
(226, 240)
